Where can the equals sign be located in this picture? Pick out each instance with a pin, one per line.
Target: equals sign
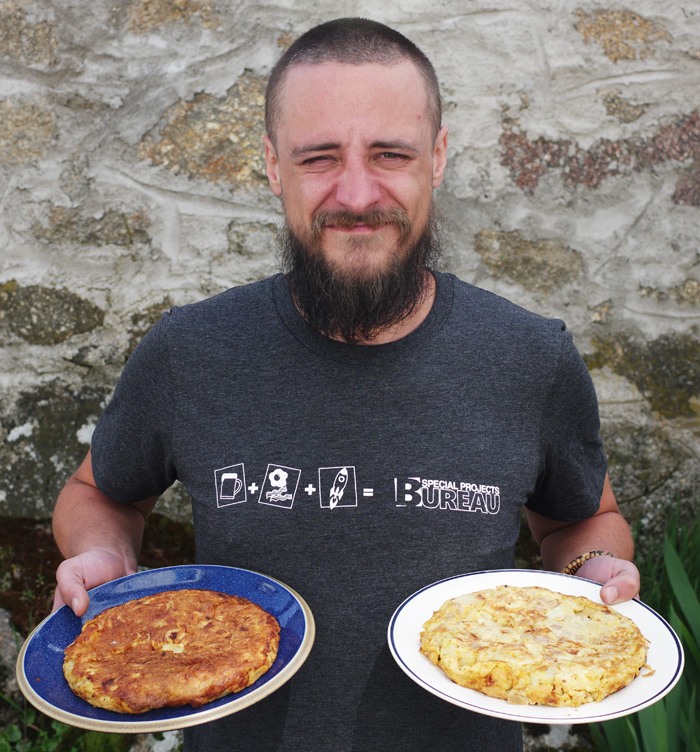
(368, 492)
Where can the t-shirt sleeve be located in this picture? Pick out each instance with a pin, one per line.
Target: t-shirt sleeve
(132, 456)
(572, 473)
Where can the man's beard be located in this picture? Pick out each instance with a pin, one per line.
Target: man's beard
(354, 304)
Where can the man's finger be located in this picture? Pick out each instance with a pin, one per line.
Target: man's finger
(78, 604)
(619, 578)
(624, 587)
(71, 589)
(57, 600)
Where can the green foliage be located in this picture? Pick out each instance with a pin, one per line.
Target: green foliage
(33, 732)
(671, 582)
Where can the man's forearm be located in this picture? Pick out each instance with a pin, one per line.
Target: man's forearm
(562, 542)
(608, 532)
(85, 518)
(99, 537)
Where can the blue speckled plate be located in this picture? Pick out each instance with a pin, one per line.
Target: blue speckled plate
(40, 662)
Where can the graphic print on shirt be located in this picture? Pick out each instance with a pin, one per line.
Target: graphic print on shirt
(337, 487)
(230, 485)
(448, 495)
(280, 486)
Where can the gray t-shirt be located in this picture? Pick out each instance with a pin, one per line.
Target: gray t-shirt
(356, 475)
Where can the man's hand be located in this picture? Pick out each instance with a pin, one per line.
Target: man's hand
(606, 530)
(75, 576)
(99, 537)
(619, 578)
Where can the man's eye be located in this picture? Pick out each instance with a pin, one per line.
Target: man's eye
(316, 160)
(392, 155)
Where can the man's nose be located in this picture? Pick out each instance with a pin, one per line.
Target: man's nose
(357, 189)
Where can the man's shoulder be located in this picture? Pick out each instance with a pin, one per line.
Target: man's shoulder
(492, 313)
(237, 305)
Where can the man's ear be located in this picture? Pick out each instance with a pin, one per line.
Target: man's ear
(272, 166)
(440, 156)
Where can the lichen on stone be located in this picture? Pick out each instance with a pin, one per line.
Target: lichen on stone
(32, 43)
(602, 312)
(528, 159)
(112, 228)
(36, 464)
(250, 239)
(45, 315)
(142, 321)
(622, 34)
(687, 192)
(74, 179)
(537, 264)
(143, 16)
(620, 108)
(687, 293)
(643, 462)
(25, 131)
(665, 370)
(215, 139)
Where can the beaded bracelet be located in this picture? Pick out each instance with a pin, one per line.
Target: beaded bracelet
(575, 564)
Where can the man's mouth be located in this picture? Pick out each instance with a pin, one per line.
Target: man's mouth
(358, 228)
(361, 224)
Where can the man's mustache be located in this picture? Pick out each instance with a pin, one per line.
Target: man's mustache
(373, 218)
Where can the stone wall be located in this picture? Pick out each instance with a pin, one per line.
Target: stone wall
(132, 179)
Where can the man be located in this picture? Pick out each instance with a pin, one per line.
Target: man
(408, 415)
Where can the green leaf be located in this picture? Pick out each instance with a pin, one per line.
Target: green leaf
(690, 647)
(9, 701)
(12, 733)
(685, 593)
(652, 724)
(29, 716)
(601, 743)
(616, 735)
(672, 708)
(693, 721)
(59, 728)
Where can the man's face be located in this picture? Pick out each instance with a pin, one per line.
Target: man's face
(354, 149)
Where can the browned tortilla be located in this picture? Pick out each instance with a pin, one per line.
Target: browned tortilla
(174, 648)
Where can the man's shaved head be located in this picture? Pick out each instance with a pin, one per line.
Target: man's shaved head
(353, 41)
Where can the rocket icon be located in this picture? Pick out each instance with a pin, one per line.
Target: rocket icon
(338, 487)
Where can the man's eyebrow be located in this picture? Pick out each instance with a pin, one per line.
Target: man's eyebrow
(393, 145)
(398, 145)
(307, 148)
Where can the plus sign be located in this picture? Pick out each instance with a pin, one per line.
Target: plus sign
(310, 489)
(253, 487)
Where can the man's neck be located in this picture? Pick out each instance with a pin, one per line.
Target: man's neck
(410, 323)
